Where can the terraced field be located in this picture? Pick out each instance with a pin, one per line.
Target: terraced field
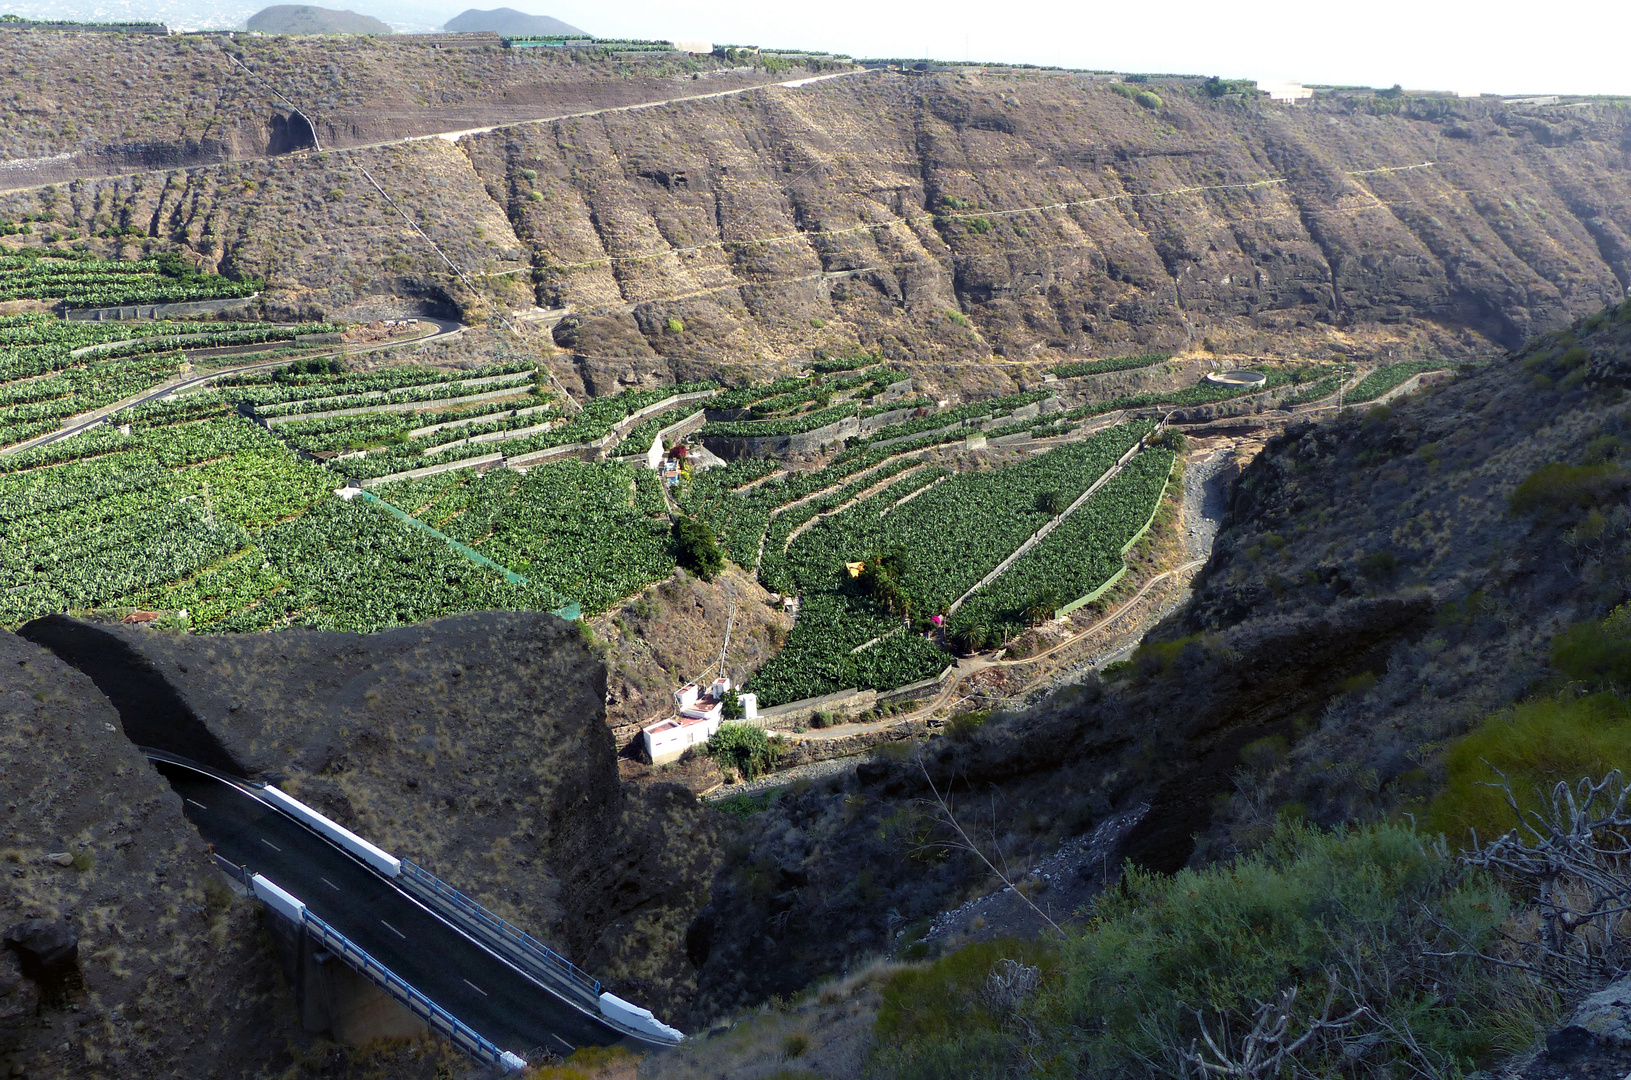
(221, 502)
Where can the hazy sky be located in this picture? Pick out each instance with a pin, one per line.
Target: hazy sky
(1495, 46)
(1491, 47)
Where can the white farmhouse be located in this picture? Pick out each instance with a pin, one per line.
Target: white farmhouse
(697, 716)
(1286, 93)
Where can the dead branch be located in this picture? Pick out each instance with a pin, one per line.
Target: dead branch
(966, 843)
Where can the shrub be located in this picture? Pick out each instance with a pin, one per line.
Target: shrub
(934, 1021)
(963, 725)
(746, 749)
(1597, 653)
(1123, 90)
(1535, 744)
(1224, 939)
(1149, 99)
(1557, 491)
(1378, 565)
(675, 326)
(696, 548)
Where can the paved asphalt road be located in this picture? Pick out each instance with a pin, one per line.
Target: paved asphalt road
(486, 993)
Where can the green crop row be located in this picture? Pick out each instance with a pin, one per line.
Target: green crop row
(1083, 553)
(1115, 363)
(1387, 377)
(958, 414)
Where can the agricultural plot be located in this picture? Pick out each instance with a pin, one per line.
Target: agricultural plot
(593, 533)
(1074, 560)
(83, 281)
(936, 547)
(51, 370)
(1387, 377)
(1102, 367)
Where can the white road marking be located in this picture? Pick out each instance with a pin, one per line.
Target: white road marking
(269, 844)
(198, 804)
(329, 883)
(563, 1042)
(476, 988)
(394, 930)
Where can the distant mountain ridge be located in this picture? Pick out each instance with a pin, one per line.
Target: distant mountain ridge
(509, 21)
(305, 19)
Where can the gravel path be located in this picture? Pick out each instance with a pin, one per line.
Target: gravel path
(812, 771)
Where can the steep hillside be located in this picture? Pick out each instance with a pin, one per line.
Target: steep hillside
(985, 216)
(93, 105)
(1499, 499)
(306, 19)
(1387, 581)
(476, 746)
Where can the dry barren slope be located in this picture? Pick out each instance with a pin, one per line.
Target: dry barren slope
(881, 210)
(87, 104)
(941, 219)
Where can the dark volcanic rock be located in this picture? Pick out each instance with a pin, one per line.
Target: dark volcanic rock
(478, 747)
(44, 946)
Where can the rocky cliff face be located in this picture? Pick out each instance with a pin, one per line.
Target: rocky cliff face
(476, 746)
(953, 216)
(996, 217)
(167, 978)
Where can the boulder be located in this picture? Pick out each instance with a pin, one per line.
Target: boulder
(44, 946)
(1607, 1014)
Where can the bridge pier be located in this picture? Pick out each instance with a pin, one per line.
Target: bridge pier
(330, 997)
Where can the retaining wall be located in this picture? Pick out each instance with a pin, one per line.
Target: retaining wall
(158, 311)
(736, 447)
(395, 406)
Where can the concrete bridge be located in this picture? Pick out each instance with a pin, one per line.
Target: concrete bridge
(493, 990)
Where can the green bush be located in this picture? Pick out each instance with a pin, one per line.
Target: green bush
(1119, 996)
(934, 1022)
(1559, 490)
(1149, 99)
(1535, 745)
(696, 548)
(1597, 653)
(746, 749)
(1123, 90)
(1224, 939)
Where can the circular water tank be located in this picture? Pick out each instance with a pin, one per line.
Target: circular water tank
(1237, 378)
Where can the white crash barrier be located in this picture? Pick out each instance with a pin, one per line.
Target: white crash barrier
(279, 900)
(378, 858)
(615, 1008)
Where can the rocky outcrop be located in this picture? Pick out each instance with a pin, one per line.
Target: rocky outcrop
(476, 746)
(125, 953)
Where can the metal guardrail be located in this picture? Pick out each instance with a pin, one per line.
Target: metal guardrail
(444, 1022)
(516, 944)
